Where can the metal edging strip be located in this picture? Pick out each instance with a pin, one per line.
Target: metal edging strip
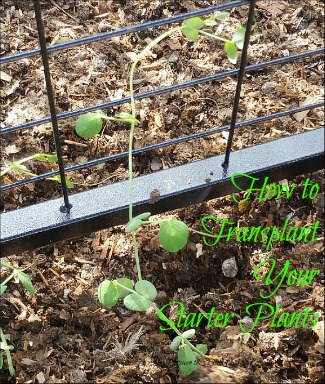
(41, 224)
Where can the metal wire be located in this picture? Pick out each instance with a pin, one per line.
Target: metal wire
(50, 96)
(191, 83)
(152, 147)
(240, 79)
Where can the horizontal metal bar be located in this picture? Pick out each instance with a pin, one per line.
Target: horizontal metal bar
(191, 83)
(123, 31)
(42, 224)
(166, 143)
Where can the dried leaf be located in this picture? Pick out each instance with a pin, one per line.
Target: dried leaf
(5, 77)
(40, 377)
(299, 116)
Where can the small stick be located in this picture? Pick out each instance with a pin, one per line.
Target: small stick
(62, 10)
(75, 143)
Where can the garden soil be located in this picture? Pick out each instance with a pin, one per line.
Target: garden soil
(61, 334)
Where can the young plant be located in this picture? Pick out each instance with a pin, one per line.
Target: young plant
(18, 166)
(173, 234)
(7, 348)
(27, 283)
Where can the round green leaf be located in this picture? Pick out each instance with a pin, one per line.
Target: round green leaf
(122, 292)
(239, 37)
(191, 33)
(231, 51)
(187, 362)
(221, 15)
(88, 125)
(136, 302)
(146, 289)
(133, 225)
(202, 348)
(107, 293)
(136, 222)
(175, 343)
(188, 334)
(173, 235)
(210, 22)
(194, 22)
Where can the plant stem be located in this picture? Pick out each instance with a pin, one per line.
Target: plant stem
(136, 255)
(8, 354)
(9, 278)
(213, 36)
(131, 79)
(207, 234)
(18, 162)
(131, 136)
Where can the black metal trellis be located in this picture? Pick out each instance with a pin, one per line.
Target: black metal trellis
(179, 186)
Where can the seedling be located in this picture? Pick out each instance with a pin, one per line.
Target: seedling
(18, 166)
(27, 283)
(173, 233)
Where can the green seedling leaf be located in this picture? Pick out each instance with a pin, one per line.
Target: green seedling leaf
(26, 282)
(20, 168)
(187, 362)
(89, 124)
(136, 222)
(5, 264)
(143, 216)
(194, 22)
(231, 51)
(107, 293)
(190, 27)
(136, 302)
(239, 37)
(210, 22)
(1, 361)
(133, 225)
(188, 334)
(68, 182)
(175, 343)
(221, 15)
(173, 235)
(3, 289)
(202, 348)
(122, 292)
(6, 346)
(146, 289)
(191, 33)
(45, 157)
(127, 117)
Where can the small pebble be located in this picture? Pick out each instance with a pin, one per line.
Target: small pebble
(229, 267)
(103, 26)
(173, 58)
(247, 323)
(268, 87)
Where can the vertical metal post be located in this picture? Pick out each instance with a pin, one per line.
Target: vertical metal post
(241, 73)
(42, 41)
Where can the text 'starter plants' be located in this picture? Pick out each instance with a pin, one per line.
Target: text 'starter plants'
(173, 233)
